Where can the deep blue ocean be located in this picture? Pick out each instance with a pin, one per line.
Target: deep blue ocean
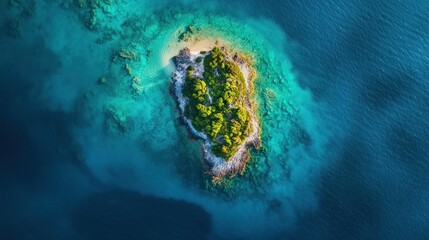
(83, 160)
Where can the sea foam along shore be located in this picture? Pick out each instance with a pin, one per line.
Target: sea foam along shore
(219, 167)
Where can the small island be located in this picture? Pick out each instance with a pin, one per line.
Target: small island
(214, 91)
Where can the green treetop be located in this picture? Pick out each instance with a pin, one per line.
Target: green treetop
(224, 118)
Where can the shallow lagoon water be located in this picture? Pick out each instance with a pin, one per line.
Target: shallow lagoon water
(152, 115)
(334, 94)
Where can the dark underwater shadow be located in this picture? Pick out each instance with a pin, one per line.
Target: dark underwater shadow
(348, 207)
(128, 215)
(381, 90)
(410, 152)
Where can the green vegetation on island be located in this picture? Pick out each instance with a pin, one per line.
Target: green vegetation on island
(217, 103)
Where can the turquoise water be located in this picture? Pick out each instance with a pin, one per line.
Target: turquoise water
(131, 136)
(342, 99)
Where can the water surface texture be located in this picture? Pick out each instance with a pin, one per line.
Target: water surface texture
(92, 147)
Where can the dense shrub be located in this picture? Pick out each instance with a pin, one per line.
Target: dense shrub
(216, 103)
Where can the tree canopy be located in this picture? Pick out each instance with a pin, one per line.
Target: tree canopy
(216, 103)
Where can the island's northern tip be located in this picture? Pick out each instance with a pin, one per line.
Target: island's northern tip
(213, 86)
(194, 46)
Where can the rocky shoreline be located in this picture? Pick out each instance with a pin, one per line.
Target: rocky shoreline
(218, 167)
